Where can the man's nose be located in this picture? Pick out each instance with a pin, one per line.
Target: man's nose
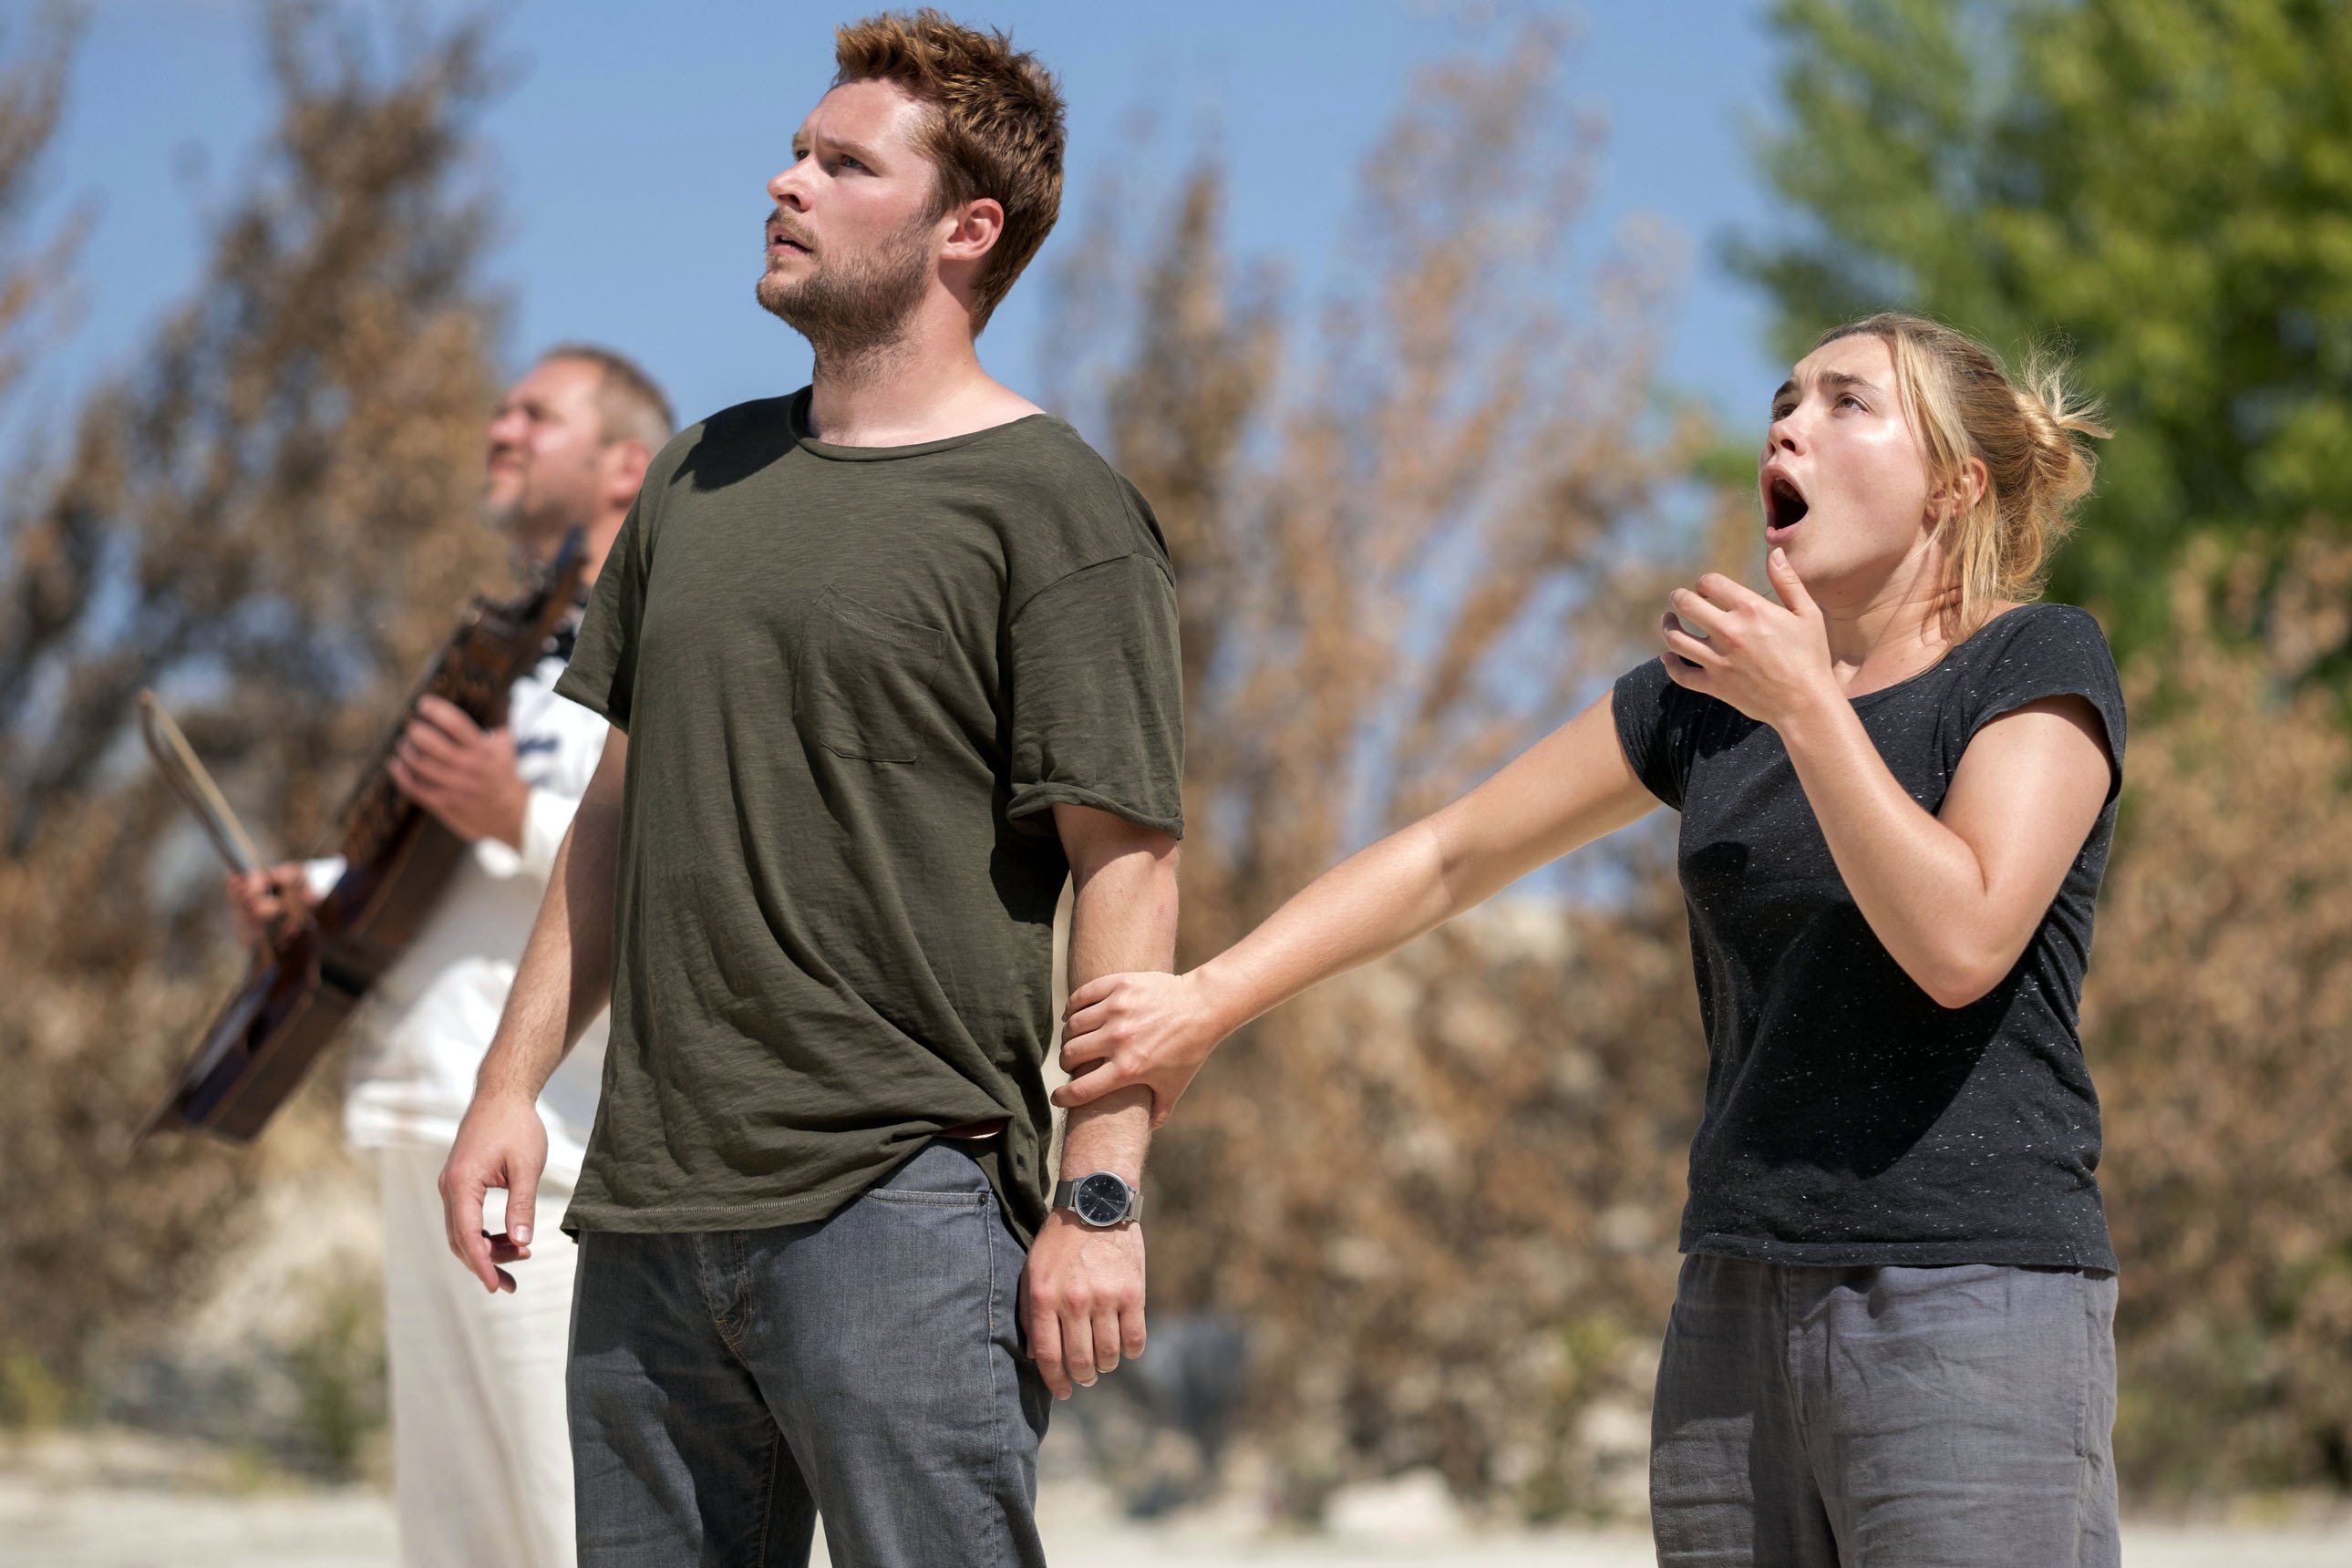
(785, 190)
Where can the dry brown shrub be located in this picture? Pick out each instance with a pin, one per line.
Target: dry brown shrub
(1411, 537)
(2219, 1023)
(1442, 1191)
(269, 521)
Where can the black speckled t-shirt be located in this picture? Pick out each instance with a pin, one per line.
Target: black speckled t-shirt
(1851, 1120)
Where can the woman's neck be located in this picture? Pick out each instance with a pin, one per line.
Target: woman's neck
(1893, 631)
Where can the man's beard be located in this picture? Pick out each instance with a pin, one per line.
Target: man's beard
(527, 519)
(853, 309)
(508, 517)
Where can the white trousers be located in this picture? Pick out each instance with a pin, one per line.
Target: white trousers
(481, 1449)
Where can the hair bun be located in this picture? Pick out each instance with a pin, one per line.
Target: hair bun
(2064, 468)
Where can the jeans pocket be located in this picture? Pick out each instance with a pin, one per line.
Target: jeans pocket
(865, 691)
(934, 1199)
(939, 1176)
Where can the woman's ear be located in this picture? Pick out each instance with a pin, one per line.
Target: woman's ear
(1968, 485)
(1977, 479)
(1958, 496)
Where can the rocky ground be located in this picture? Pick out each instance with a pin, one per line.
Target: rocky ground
(119, 1501)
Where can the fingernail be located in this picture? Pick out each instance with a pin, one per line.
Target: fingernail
(522, 1236)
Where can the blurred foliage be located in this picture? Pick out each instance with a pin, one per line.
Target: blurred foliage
(2164, 185)
(2219, 1022)
(270, 519)
(1414, 522)
(338, 1368)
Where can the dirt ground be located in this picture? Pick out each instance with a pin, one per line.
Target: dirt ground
(122, 1502)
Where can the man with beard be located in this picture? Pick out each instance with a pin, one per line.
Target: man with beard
(482, 1460)
(887, 660)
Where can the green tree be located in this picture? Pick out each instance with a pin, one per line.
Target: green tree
(2162, 186)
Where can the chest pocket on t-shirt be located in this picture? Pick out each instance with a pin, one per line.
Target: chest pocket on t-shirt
(866, 683)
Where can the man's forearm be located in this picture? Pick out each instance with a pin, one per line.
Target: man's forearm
(1109, 1134)
(1122, 918)
(1082, 1291)
(565, 977)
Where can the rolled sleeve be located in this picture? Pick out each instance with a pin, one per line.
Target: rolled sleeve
(1098, 699)
(602, 675)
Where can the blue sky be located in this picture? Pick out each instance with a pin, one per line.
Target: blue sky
(630, 151)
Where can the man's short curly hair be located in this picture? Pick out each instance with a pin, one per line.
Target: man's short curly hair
(996, 129)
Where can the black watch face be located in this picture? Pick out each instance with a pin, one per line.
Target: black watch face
(1100, 1198)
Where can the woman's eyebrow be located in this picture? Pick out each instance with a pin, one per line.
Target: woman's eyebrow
(1840, 381)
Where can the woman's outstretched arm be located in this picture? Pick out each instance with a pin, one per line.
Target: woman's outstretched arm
(1568, 789)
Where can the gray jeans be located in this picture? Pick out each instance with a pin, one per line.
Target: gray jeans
(726, 1387)
(1886, 1418)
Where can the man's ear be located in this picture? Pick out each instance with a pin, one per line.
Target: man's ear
(623, 466)
(976, 226)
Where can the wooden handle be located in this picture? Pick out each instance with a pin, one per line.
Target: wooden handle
(176, 760)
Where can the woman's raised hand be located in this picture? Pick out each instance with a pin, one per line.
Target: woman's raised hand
(1770, 661)
(1154, 1029)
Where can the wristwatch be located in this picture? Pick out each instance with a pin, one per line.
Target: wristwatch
(1099, 1199)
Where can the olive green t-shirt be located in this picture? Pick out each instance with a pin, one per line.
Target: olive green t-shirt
(855, 681)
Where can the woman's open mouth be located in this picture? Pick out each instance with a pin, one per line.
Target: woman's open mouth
(1784, 506)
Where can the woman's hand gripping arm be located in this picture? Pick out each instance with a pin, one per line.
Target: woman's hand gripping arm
(1156, 1030)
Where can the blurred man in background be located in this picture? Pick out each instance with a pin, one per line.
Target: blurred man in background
(481, 1457)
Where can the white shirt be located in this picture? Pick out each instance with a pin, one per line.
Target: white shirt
(424, 1027)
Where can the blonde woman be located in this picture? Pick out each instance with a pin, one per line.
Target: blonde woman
(1892, 1342)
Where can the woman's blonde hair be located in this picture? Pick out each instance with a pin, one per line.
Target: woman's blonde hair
(1963, 405)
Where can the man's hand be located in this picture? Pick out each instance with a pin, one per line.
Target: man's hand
(1082, 1300)
(269, 905)
(501, 1143)
(464, 774)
